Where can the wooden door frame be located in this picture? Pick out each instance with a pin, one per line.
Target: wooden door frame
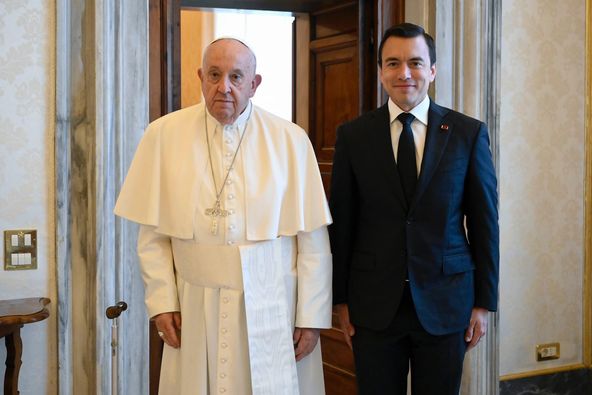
(164, 57)
(165, 52)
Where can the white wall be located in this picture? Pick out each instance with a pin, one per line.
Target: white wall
(542, 158)
(27, 95)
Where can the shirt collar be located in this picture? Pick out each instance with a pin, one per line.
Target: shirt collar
(420, 112)
(245, 115)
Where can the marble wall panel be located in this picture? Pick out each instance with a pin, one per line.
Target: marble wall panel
(573, 382)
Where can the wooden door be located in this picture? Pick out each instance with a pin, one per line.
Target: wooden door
(336, 96)
(342, 84)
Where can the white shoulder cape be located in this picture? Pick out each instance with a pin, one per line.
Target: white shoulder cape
(284, 192)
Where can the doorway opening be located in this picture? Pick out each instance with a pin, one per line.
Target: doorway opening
(270, 36)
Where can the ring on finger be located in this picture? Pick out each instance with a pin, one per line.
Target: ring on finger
(161, 334)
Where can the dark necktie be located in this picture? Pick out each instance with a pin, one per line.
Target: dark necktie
(406, 157)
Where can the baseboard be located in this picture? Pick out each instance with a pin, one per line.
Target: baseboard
(576, 381)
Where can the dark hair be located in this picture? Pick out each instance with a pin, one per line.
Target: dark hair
(408, 30)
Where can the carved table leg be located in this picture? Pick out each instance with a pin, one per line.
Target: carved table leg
(14, 352)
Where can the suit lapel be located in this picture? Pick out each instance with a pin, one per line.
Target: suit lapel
(383, 149)
(436, 140)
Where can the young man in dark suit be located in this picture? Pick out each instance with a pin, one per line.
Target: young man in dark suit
(415, 237)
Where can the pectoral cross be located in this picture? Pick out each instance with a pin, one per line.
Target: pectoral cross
(215, 212)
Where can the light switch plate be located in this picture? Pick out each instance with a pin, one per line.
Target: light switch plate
(20, 256)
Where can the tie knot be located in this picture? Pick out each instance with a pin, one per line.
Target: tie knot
(406, 118)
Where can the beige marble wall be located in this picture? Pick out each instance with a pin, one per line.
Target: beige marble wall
(101, 111)
(542, 157)
(27, 96)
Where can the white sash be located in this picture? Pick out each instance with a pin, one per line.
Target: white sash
(271, 351)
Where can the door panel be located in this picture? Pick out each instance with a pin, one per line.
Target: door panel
(336, 20)
(336, 93)
(336, 96)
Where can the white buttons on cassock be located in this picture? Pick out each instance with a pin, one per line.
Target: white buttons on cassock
(222, 375)
(230, 196)
(223, 360)
(224, 315)
(225, 299)
(224, 330)
(223, 345)
(230, 242)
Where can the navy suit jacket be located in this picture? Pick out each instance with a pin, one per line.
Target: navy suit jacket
(447, 238)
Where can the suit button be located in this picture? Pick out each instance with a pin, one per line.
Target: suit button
(408, 222)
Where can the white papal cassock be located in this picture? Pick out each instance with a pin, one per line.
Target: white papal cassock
(242, 291)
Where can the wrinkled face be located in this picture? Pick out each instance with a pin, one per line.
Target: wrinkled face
(228, 79)
(406, 72)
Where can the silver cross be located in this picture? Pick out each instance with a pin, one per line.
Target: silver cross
(215, 212)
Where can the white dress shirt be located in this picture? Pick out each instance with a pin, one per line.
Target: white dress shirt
(419, 126)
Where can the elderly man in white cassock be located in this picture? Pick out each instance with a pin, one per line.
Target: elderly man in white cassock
(233, 242)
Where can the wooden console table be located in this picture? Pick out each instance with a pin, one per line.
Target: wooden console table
(14, 313)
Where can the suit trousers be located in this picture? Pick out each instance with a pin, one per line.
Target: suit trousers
(382, 358)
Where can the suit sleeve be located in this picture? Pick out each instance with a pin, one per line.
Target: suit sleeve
(482, 222)
(158, 273)
(343, 206)
(313, 306)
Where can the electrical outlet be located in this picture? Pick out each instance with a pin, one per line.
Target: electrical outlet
(548, 351)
